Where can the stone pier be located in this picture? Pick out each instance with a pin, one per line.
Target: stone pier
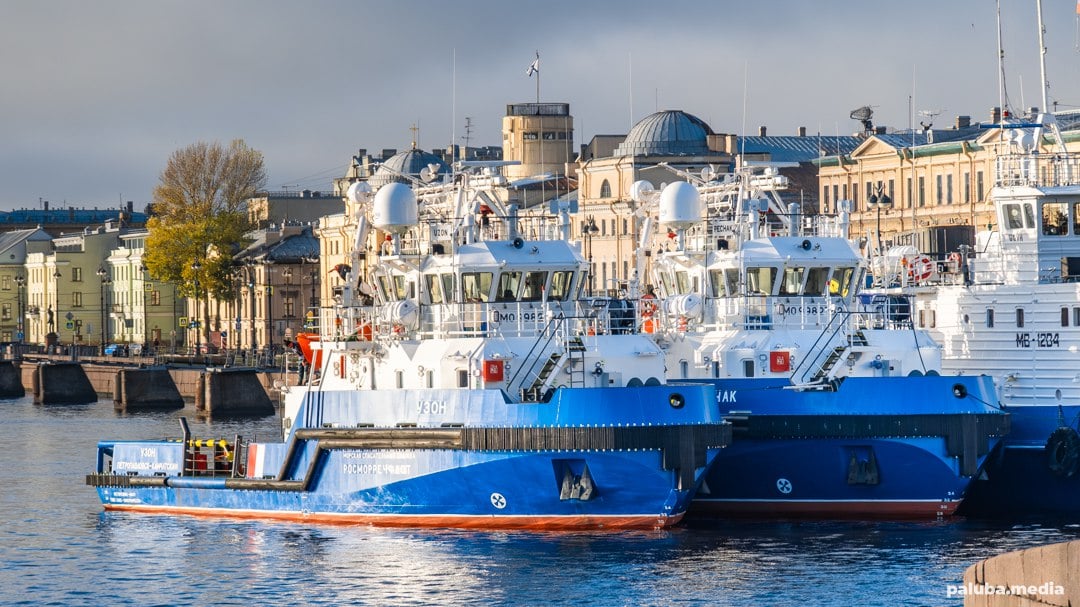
(62, 384)
(232, 392)
(1045, 575)
(137, 389)
(11, 385)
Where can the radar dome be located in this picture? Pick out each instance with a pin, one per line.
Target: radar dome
(359, 192)
(680, 205)
(395, 208)
(640, 189)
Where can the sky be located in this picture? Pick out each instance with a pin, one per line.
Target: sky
(98, 94)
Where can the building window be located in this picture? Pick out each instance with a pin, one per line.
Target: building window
(5, 312)
(892, 189)
(529, 136)
(989, 318)
(605, 189)
(825, 199)
(549, 135)
(290, 307)
(948, 189)
(940, 191)
(76, 299)
(155, 298)
(922, 191)
(5, 282)
(76, 274)
(1019, 318)
(910, 195)
(978, 186)
(967, 187)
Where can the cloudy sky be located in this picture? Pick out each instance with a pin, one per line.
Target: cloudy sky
(97, 94)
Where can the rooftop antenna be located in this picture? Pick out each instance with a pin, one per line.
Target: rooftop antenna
(468, 134)
(929, 115)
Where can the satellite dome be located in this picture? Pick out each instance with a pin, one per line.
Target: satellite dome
(667, 133)
(409, 162)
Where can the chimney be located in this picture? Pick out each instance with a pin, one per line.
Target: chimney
(995, 115)
(802, 131)
(761, 131)
(46, 203)
(962, 122)
(130, 206)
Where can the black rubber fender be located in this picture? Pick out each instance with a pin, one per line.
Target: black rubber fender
(1063, 452)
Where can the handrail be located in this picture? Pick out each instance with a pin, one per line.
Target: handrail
(553, 323)
(815, 361)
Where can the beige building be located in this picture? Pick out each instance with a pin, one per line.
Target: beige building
(605, 219)
(276, 208)
(276, 285)
(540, 136)
(15, 245)
(938, 183)
(140, 310)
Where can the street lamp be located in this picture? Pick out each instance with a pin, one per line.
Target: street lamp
(56, 294)
(879, 200)
(198, 338)
(103, 274)
(20, 280)
(588, 228)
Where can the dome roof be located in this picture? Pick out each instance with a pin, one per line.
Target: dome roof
(667, 133)
(409, 162)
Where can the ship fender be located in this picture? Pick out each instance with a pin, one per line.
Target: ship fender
(1063, 452)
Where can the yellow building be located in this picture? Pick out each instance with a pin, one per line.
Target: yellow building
(540, 136)
(605, 219)
(938, 183)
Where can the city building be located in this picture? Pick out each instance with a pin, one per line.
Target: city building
(15, 245)
(71, 219)
(937, 182)
(276, 208)
(141, 311)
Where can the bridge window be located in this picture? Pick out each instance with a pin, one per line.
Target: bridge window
(448, 288)
(434, 286)
(476, 286)
(682, 281)
(534, 286)
(716, 282)
(1055, 218)
(560, 285)
(509, 284)
(1019, 317)
(1076, 219)
(989, 318)
(759, 281)
(817, 280)
(840, 285)
(792, 282)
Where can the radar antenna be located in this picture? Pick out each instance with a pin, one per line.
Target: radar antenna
(863, 115)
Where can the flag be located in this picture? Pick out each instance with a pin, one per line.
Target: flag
(534, 68)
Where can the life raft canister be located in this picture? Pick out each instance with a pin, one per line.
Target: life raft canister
(1063, 452)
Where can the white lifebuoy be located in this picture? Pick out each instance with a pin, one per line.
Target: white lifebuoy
(921, 268)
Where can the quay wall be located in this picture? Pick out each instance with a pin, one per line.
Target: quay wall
(103, 375)
(1044, 575)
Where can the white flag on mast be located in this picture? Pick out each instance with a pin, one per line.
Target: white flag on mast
(534, 68)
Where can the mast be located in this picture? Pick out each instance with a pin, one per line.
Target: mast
(1046, 118)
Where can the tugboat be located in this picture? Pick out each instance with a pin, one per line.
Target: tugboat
(838, 411)
(465, 383)
(1009, 307)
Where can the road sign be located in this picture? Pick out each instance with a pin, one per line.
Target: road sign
(182, 322)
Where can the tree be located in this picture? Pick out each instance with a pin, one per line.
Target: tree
(200, 216)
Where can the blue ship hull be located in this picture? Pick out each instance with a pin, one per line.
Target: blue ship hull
(1024, 463)
(595, 458)
(903, 447)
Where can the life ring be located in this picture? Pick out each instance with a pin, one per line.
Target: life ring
(1063, 452)
(682, 324)
(648, 306)
(954, 258)
(921, 268)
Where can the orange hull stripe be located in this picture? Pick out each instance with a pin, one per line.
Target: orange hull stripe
(440, 520)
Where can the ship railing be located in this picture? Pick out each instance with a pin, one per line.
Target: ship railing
(815, 363)
(1037, 170)
(212, 457)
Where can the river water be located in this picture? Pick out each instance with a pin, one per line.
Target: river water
(58, 547)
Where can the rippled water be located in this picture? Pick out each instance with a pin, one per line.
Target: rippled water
(58, 547)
